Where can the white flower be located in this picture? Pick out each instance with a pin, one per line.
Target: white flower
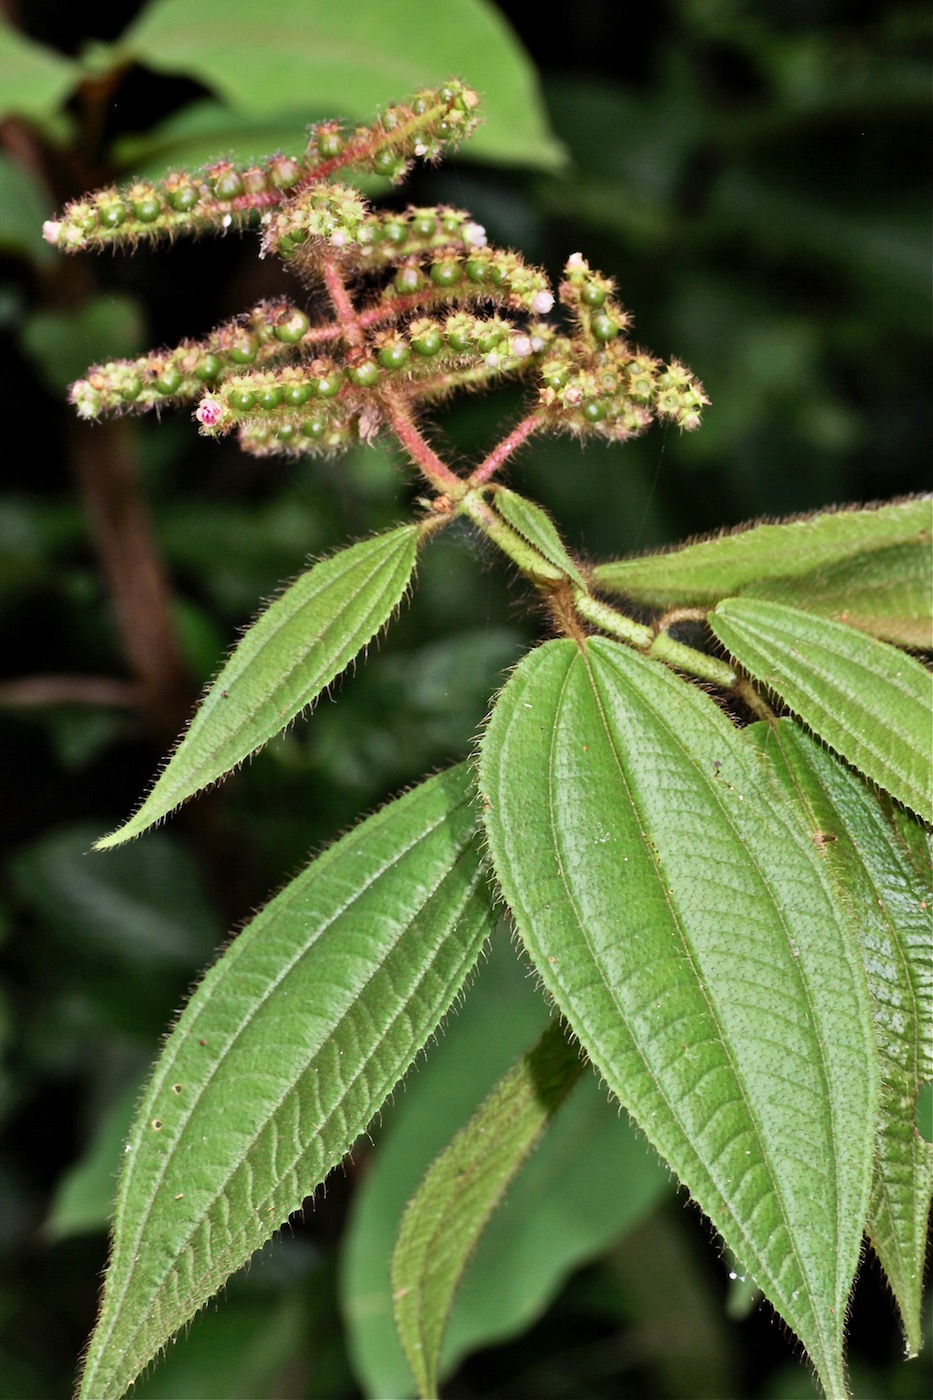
(474, 235)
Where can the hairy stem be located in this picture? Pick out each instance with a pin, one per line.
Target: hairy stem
(421, 453)
(503, 450)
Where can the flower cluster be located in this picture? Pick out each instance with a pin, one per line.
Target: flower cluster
(420, 305)
(226, 195)
(596, 381)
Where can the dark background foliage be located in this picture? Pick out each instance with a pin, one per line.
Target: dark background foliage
(756, 178)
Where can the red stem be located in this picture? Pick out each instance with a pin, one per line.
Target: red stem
(503, 450)
(340, 300)
(420, 452)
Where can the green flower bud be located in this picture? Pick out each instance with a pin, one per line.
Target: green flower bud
(241, 399)
(291, 330)
(591, 295)
(593, 411)
(445, 274)
(243, 352)
(168, 381)
(427, 342)
(207, 368)
(147, 209)
(129, 388)
(424, 225)
(363, 375)
(603, 327)
(284, 172)
(112, 215)
(408, 279)
(296, 394)
(394, 356)
(228, 185)
(330, 144)
(313, 428)
(387, 163)
(270, 397)
(326, 387)
(286, 433)
(183, 198)
(476, 271)
(394, 231)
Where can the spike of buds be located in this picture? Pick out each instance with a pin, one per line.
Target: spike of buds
(414, 335)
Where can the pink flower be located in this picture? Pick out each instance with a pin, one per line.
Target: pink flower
(209, 412)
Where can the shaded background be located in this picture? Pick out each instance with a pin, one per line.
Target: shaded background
(756, 176)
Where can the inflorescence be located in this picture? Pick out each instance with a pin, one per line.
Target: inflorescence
(434, 307)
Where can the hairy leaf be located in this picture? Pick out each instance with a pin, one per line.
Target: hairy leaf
(691, 937)
(283, 1055)
(588, 1182)
(707, 570)
(891, 903)
(869, 701)
(290, 654)
(351, 60)
(538, 529)
(462, 1188)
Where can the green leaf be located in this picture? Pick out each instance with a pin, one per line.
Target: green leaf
(192, 136)
(812, 560)
(34, 80)
(24, 203)
(890, 900)
(689, 934)
(291, 653)
(280, 1060)
(870, 702)
(887, 592)
(83, 1200)
(350, 60)
(143, 907)
(463, 1187)
(588, 1183)
(537, 527)
(64, 343)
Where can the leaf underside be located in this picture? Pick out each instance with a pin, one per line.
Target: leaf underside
(282, 1057)
(868, 700)
(876, 876)
(462, 1188)
(688, 933)
(292, 652)
(870, 568)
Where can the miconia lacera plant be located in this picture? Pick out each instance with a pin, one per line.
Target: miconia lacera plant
(707, 828)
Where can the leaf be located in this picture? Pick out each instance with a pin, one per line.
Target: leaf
(24, 203)
(689, 934)
(887, 592)
(891, 902)
(870, 702)
(83, 1199)
(587, 1184)
(461, 1190)
(293, 651)
(109, 326)
(143, 907)
(350, 60)
(34, 80)
(817, 555)
(538, 529)
(283, 1055)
